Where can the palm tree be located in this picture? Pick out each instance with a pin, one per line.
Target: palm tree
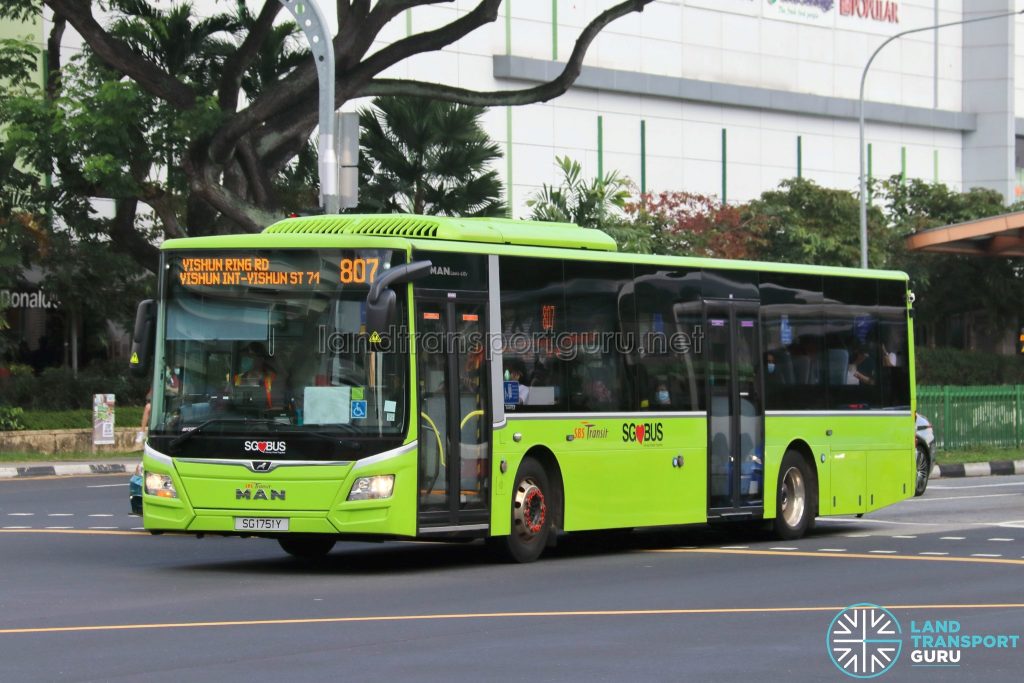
(427, 157)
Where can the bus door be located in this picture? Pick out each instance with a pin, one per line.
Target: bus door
(735, 404)
(455, 414)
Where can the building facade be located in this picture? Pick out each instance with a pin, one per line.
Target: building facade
(728, 97)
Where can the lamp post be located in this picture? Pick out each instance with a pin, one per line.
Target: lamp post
(311, 20)
(863, 78)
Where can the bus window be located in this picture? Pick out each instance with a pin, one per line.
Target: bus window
(851, 342)
(894, 370)
(532, 313)
(590, 346)
(669, 339)
(794, 367)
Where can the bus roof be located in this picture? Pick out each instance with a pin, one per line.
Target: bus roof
(480, 235)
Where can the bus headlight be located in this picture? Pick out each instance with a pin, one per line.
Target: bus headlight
(372, 488)
(160, 485)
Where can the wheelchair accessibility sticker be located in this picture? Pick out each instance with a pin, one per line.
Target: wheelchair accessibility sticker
(358, 410)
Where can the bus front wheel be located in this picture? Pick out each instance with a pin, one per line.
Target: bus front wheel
(794, 497)
(307, 547)
(531, 514)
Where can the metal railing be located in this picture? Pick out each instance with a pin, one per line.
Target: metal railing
(967, 417)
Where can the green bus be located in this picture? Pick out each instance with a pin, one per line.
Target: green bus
(419, 377)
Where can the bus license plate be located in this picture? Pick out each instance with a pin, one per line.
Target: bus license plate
(261, 524)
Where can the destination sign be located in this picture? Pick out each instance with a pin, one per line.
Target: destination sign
(291, 269)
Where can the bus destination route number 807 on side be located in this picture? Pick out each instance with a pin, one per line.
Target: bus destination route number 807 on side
(371, 377)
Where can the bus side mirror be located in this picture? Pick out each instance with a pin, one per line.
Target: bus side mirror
(142, 338)
(380, 301)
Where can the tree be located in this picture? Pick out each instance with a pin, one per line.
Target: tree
(689, 224)
(427, 156)
(182, 115)
(947, 284)
(802, 222)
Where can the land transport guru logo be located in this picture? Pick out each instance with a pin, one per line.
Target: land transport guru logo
(865, 641)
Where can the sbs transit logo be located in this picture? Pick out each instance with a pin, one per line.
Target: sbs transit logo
(864, 640)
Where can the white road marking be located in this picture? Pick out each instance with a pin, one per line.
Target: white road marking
(989, 495)
(932, 553)
(103, 527)
(138, 528)
(858, 535)
(20, 514)
(61, 514)
(57, 527)
(952, 538)
(831, 550)
(977, 486)
(1003, 540)
(874, 521)
(883, 552)
(782, 548)
(984, 555)
(104, 515)
(735, 547)
(903, 537)
(105, 486)
(17, 527)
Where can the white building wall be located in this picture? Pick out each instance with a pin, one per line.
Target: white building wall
(773, 45)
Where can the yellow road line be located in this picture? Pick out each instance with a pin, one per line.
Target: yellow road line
(485, 615)
(84, 532)
(839, 556)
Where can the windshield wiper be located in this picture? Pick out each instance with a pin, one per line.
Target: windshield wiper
(203, 425)
(275, 429)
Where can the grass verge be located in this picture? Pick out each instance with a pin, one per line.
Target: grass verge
(124, 416)
(980, 455)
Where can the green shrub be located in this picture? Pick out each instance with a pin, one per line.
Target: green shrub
(124, 416)
(967, 368)
(59, 389)
(11, 419)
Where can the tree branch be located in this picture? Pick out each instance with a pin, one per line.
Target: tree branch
(255, 173)
(53, 81)
(205, 184)
(118, 56)
(242, 58)
(287, 127)
(541, 93)
(125, 238)
(161, 204)
(484, 13)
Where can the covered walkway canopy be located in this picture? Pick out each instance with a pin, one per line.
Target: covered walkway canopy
(995, 236)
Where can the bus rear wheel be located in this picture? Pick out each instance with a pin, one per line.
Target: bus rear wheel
(794, 498)
(531, 515)
(307, 546)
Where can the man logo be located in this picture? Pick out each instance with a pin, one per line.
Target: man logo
(864, 640)
(261, 466)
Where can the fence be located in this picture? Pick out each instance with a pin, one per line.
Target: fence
(974, 417)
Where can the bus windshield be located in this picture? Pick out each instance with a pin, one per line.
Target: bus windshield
(268, 341)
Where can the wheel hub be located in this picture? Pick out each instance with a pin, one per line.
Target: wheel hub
(530, 510)
(793, 496)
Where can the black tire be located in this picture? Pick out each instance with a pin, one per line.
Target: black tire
(795, 498)
(532, 512)
(307, 546)
(924, 469)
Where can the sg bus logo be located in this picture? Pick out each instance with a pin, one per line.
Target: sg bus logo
(642, 433)
(864, 640)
